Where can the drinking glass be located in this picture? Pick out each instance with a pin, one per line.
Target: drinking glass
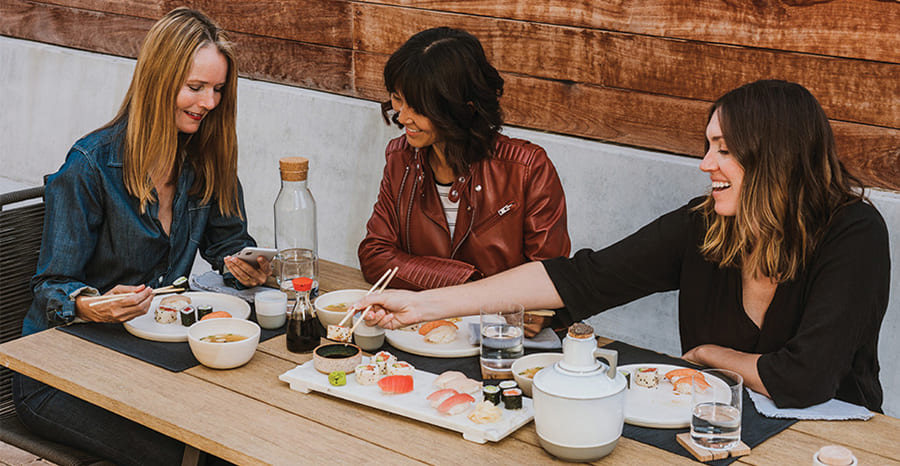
(502, 337)
(292, 263)
(716, 398)
(271, 308)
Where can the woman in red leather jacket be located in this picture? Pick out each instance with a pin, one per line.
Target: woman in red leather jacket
(458, 200)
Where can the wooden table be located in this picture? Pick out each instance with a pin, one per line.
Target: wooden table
(247, 416)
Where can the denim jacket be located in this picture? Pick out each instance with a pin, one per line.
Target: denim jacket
(95, 236)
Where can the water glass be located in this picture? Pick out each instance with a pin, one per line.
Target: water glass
(293, 263)
(502, 337)
(271, 308)
(716, 399)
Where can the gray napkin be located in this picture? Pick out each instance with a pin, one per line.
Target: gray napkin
(547, 339)
(831, 410)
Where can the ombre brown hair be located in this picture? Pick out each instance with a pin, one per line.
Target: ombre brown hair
(445, 76)
(152, 147)
(793, 180)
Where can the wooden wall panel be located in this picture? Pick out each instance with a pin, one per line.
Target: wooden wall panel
(635, 73)
(864, 29)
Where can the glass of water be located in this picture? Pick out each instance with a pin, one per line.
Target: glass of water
(502, 337)
(716, 399)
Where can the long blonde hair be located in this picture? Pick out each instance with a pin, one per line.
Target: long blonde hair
(152, 149)
(793, 180)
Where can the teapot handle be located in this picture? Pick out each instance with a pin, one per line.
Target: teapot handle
(612, 357)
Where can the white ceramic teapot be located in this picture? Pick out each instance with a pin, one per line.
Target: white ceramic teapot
(579, 403)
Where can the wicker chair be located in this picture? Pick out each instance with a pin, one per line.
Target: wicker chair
(21, 226)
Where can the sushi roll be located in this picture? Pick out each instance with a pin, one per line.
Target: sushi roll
(401, 368)
(512, 398)
(337, 378)
(507, 384)
(492, 394)
(203, 310)
(383, 360)
(440, 396)
(456, 404)
(367, 374)
(188, 317)
(646, 377)
(339, 333)
(169, 308)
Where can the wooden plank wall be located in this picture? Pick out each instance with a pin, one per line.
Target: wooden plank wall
(633, 73)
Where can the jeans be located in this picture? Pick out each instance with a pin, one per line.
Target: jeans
(63, 418)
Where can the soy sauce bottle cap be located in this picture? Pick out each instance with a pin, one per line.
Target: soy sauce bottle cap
(302, 283)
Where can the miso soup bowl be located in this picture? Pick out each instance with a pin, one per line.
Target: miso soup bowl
(223, 355)
(327, 317)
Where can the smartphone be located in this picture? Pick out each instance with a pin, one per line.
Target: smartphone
(249, 254)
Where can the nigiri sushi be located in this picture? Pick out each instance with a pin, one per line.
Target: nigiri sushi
(441, 335)
(396, 384)
(456, 404)
(679, 373)
(683, 386)
(440, 396)
(429, 326)
(464, 385)
(445, 377)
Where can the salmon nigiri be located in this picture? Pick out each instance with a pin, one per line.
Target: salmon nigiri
(456, 404)
(429, 326)
(440, 396)
(396, 384)
(674, 374)
(683, 384)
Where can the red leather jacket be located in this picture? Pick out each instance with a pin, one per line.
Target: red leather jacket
(511, 210)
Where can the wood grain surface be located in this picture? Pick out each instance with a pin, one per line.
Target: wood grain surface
(635, 73)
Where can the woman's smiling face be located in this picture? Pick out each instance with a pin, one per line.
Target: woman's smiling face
(202, 90)
(725, 172)
(420, 132)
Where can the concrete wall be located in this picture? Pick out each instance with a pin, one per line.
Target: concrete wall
(51, 96)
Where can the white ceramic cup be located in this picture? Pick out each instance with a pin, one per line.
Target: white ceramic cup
(366, 337)
(271, 308)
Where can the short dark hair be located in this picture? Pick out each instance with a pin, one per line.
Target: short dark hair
(445, 76)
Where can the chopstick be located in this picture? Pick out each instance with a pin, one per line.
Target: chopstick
(353, 329)
(115, 297)
(353, 310)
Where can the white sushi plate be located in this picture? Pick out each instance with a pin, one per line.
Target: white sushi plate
(659, 407)
(411, 342)
(146, 326)
(414, 405)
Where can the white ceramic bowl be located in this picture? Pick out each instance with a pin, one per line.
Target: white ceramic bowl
(223, 355)
(529, 361)
(327, 317)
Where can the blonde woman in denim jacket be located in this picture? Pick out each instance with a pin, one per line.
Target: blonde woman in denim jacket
(128, 211)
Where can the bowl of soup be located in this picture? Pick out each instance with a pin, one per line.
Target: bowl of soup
(223, 343)
(331, 307)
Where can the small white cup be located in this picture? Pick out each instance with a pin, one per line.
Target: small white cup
(271, 308)
(368, 338)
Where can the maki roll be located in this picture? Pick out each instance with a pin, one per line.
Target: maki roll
(203, 310)
(383, 360)
(492, 394)
(187, 316)
(512, 398)
(367, 374)
(507, 384)
(401, 368)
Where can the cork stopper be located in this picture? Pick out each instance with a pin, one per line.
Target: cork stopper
(293, 168)
(581, 331)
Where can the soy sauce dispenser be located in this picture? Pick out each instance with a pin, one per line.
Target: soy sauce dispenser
(302, 328)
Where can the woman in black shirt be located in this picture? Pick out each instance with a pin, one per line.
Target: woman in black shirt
(783, 268)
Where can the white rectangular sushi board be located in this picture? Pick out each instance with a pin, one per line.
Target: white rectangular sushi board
(414, 404)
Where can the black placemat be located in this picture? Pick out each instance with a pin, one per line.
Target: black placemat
(755, 428)
(175, 357)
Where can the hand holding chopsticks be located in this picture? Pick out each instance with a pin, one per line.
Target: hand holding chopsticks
(386, 278)
(95, 300)
(393, 272)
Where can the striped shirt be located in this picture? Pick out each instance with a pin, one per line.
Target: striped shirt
(450, 207)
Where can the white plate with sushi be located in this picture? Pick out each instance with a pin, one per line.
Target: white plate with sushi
(148, 328)
(660, 406)
(408, 339)
(413, 404)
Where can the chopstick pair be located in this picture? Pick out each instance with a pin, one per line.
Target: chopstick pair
(393, 272)
(352, 310)
(95, 300)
